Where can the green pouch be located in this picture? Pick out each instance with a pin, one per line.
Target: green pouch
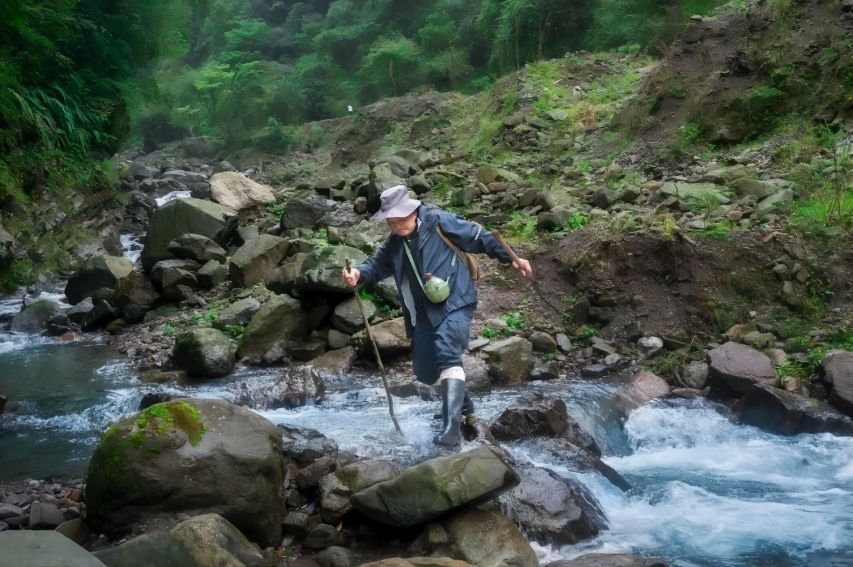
(435, 288)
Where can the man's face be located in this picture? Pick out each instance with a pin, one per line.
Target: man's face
(403, 226)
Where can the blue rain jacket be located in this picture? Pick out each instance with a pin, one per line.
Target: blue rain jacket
(436, 258)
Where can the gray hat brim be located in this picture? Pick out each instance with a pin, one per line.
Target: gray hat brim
(404, 209)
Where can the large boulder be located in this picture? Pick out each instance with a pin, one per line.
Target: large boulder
(780, 411)
(238, 313)
(196, 247)
(551, 509)
(509, 360)
(43, 548)
(186, 216)
(256, 259)
(321, 270)
(489, 538)
(280, 318)
(337, 488)
(305, 212)
(35, 316)
(537, 415)
(205, 353)
(738, 367)
(200, 541)
(436, 487)
(348, 316)
(135, 290)
(305, 445)
(391, 339)
(838, 374)
(193, 456)
(236, 191)
(98, 272)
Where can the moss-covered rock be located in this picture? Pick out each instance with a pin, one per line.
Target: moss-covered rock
(191, 456)
(436, 487)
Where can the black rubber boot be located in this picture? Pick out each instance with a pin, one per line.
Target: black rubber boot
(467, 409)
(452, 398)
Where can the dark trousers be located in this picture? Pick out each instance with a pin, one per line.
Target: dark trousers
(435, 349)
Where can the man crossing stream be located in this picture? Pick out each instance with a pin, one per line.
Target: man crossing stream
(425, 253)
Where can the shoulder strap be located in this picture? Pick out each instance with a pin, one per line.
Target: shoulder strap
(447, 241)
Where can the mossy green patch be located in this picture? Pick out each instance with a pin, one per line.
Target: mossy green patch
(159, 418)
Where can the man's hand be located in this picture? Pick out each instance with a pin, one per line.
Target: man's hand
(350, 277)
(523, 267)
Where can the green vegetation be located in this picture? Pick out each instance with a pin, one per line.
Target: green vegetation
(577, 221)
(521, 227)
(162, 417)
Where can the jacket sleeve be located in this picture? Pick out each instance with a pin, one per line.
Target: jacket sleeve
(471, 237)
(378, 266)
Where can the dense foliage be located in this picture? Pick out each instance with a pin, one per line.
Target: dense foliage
(63, 71)
(75, 76)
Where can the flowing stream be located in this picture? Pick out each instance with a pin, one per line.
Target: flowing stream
(707, 492)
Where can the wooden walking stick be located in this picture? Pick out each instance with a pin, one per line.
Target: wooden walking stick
(533, 284)
(376, 353)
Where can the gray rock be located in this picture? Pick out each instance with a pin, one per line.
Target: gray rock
(305, 445)
(98, 272)
(594, 371)
(337, 339)
(552, 510)
(773, 202)
(564, 342)
(279, 319)
(77, 313)
(322, 536)
(238, 313)
(45, 516)
(838, 374)
(758, 340)
(175, 281)
(321, 270)
(159, 269)
(196, 247)
(391, 339)
(35, 316)
(335, 556)
(509, 360)
(537, 415)
(489, 538)
(10, 511)
(542, 342)
(43, 549)
(152, 463)
(788, 413)
(435, 487)
(247, 233)
(337, 488)
(548, 371)
(200, 541)
(183, 216)
(211, 274)
(695, 374)
(347, 316)
(255, 259)
(640, 388)
(236, 191)
(304, 212)
(739, 367)
(283, 279)
(205, 353)
(648, 347)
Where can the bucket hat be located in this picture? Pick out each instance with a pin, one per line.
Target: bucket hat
(395, 203)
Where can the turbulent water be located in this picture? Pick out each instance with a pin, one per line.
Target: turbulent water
(707, 492)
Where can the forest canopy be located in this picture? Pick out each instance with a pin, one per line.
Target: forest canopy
(79, 79)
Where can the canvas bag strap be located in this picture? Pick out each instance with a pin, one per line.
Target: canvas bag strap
(414, 266)
(447, 241)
